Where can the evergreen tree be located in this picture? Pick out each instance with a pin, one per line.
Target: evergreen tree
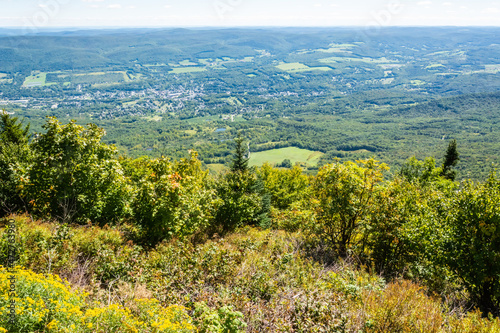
(450, 160)
(12, 131)
(244, 201)
(240, 160)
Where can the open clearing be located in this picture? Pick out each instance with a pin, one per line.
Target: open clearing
(434, 66)
(217, 168)
(184, 70)
(333, 60)
(187, 62)
(294, 67)
(417, 82)
(492, 68)
(92, 78)
(294, 154)
(36, 80)
(333, 48)
(153, 118)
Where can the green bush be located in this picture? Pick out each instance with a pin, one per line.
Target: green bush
(221, 320)
(345, 194)
(471, 248)
(74, 176)
(174, 200)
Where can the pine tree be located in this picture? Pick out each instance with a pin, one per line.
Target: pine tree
(240, 160)
(12, 131)
(450, 160)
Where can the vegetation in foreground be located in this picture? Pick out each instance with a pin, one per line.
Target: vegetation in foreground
(153, 245)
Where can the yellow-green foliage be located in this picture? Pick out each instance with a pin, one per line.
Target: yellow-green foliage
(267, 280)
(345, 195)
(45, 303)
(404, 307)
(174, 199)
(292, 219)
(284, 186)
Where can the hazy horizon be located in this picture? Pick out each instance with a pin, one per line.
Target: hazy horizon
(68, 14)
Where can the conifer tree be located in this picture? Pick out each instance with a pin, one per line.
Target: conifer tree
(11, 130)
(240, 160)
(450, 160)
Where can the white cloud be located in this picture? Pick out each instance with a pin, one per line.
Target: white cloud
(318, 5)
(115, 6)
(167, 6)
(424, 3)
(447, 4)
(92, 0)
(131, 7)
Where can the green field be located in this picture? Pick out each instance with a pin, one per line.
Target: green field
(294, 67)
(187, 62)
(152, 118)
(35, 80)
(93, 78)
(217, 168)
(187, 70)
(417, 82)
(294, 154)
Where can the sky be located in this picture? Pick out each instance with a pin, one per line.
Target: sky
(36, 14)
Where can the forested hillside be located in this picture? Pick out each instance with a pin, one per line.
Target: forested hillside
(305, 94)
(162, 245)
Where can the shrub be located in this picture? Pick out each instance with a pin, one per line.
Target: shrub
(74, 176)
(345, 195)
(174, 200)
(472, 246)
(285, 186)
(221, 320)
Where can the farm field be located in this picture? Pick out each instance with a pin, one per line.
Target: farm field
(299, 67)
(350, 59)
(66, 78)
(294, 154)
(37, 79)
